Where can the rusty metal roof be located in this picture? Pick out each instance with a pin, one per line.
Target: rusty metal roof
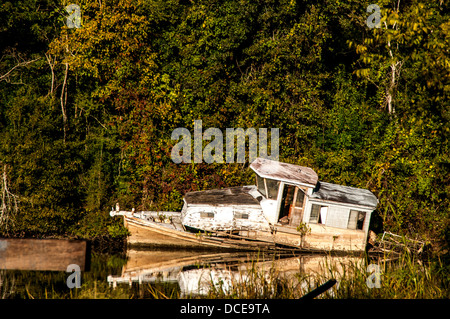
(290, 173)
(227, 196)
(345, 194)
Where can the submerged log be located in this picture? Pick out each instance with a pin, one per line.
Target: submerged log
(319, 290)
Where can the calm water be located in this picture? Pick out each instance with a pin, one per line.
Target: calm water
(169, 273)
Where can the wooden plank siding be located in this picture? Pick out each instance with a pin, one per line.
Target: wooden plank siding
(322, 238)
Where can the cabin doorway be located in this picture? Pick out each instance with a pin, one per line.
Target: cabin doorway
(291, 208)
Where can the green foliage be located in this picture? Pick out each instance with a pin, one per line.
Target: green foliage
(86, 114)
(303, 229)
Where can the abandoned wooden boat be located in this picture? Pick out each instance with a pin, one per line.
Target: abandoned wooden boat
(288, 208)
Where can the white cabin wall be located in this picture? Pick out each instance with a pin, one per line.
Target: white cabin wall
(225, 218)
(183, 210)
(256, 220)
(279, 198)
(269, 207)
(307, 211)
(222, 219)
(337, 216)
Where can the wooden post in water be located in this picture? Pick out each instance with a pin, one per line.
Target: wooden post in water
(42, 254)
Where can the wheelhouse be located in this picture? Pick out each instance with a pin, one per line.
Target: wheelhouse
(284, 188)
(292, 194)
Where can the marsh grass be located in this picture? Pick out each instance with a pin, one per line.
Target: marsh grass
(405, 277)
(163, 291)
(259, 282)
(7, 285)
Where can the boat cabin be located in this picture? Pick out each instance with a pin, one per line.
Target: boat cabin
(292, 194)
(285, 196)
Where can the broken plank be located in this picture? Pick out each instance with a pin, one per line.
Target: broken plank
(42, 254)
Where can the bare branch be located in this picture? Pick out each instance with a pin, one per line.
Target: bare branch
(20, 64)
(52, 68)
(64, 100)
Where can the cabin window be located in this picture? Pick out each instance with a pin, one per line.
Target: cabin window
(241, 215)
(356, 219)
(272, 188)
(318, 214)
(315, 212)
(260, 185)
(206, 215)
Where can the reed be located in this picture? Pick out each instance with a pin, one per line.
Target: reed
(407, 277)
(259, 282)
(7, 285)
(163, 291)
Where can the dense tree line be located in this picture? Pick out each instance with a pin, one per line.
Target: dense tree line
(86, 114)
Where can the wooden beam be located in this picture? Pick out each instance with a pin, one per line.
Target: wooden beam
(43, 254)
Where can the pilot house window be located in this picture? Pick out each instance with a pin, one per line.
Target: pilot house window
(260, 185)
(272, 188)
(267, 187)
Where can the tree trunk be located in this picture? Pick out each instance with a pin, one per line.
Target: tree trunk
(52, 69)
(8, 201)
(64, 100)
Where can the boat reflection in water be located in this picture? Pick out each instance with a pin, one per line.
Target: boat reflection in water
(197, 273)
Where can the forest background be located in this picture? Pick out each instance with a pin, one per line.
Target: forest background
(86, 114)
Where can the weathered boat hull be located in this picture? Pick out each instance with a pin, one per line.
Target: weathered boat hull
(143, 234)
(171, 234)
(154, 234)
(322, 238)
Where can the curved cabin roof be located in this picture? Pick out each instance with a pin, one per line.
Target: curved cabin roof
(290, 173)
(344, 194)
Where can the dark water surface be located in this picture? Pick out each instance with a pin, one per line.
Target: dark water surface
(169, 274)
